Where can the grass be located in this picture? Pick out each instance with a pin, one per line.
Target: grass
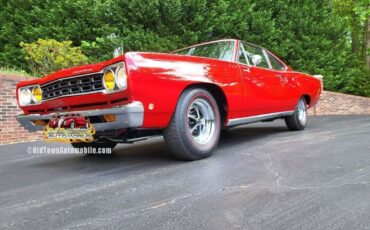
(13, 71)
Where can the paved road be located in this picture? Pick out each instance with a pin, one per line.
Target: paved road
(261, 177)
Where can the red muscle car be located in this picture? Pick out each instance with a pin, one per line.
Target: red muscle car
(187, 96)
(68, 121)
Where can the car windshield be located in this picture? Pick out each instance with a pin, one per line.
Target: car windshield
(223, 50)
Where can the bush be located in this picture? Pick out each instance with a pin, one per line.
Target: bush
(6, 70)
(46, 56)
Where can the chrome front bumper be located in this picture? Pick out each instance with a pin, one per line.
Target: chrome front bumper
(127, 116)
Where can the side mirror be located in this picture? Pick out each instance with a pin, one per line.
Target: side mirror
(256, 59)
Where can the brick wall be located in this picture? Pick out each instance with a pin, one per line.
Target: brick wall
(10, 130)
(341, 104)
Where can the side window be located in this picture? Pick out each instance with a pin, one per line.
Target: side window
(218, 50)
(255, 50)
(242, 56)
(275, 63)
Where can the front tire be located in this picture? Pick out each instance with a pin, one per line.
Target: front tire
(298, 120)
(194, 129)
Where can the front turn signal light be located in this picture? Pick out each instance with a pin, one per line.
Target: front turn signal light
(109, 117)
(39, 122)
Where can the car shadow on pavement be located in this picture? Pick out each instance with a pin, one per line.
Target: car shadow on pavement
(153, 152)
(243, 134)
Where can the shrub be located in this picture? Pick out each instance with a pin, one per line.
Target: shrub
(6, 70)
(46, 56)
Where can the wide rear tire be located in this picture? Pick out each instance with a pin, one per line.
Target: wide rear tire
(298, 120)
(194, 129)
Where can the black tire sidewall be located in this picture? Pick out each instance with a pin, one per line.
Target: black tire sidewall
(293, 121)
(182, 122)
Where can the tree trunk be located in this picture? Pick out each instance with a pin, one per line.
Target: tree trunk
(367, 44)
(355, 36)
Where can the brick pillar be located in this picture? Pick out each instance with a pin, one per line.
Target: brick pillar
(10, 130)
(321, 78)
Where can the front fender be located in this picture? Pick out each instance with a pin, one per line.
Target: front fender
(157, 80)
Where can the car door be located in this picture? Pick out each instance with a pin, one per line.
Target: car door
(263, 87)
(288, 101)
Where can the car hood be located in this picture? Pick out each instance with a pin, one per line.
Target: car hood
(74, 71)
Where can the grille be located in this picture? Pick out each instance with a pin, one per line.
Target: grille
(71, 86)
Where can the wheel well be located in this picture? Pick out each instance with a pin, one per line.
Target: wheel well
(307, 98)
(217, 93)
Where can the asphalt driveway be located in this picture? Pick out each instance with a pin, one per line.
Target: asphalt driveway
(261, 177)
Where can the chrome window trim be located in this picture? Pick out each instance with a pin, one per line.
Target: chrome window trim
(267, 58)
(263, 52)
(245, 55)
(276, 59)
(234, 50)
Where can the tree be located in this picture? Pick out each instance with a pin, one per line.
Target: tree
(314, 36)
(367, 42)
(357, 14)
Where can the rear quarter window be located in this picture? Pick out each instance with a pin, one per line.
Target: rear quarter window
(218, 50)
(275, 63)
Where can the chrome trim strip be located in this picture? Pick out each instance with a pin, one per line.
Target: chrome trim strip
(251, 119)
(207, 43)
(127, 116)
(76, 94)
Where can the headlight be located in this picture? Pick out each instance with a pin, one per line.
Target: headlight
(109, 80)
(121, 77)
(37, 94)
(115, 78)
(25, 96)
(30, 95)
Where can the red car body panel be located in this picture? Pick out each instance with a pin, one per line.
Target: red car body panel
(161, 78)
(157, 81)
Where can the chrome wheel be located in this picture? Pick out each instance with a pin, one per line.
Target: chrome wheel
(302, 112)
(201, 121)
(194, 130)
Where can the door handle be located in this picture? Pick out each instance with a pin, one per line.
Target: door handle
(246, 69)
